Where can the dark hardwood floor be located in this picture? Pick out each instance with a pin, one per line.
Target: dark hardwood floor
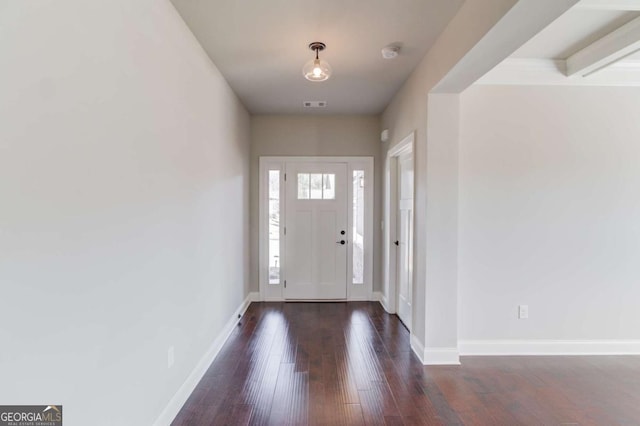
(350, 364)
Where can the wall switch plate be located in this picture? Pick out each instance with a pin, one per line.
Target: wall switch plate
(523, 311)
(170, 357)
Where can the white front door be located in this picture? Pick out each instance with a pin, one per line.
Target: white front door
(405, 237)
(316, 231)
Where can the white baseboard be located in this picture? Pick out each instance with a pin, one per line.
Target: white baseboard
(384, 301)
(373, 298)
(434, 356)
(417, 347)
(549, 347)
(173, 407)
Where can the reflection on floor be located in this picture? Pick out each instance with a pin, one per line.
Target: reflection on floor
(350, 364)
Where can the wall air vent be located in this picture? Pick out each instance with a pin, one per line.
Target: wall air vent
(314, 104)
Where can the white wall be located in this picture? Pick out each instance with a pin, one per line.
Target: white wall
(124, 162)
(549, 212)
(481, 35)
(407, 113)
(442, 220)
(306, 135)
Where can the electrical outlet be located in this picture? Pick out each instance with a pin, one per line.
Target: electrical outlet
(523, 311)
(170, 357)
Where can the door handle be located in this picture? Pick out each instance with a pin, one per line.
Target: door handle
(343, 242)
(397, 243)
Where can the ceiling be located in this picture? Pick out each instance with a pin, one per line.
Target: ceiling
(595, 43)
(261, 46)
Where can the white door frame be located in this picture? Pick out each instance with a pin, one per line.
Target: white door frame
(274, 292)
(390, 273)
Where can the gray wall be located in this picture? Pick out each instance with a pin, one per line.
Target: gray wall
(548, 213)
(315, 136)
(124, 164)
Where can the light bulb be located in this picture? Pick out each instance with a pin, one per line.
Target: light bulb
(316, 69)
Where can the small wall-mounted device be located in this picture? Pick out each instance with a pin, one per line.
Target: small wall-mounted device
(523, 311)
(384, 136)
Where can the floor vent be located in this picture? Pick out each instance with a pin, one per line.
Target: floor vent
(315, 104)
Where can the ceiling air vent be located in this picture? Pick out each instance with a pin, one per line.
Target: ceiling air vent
(314, 104)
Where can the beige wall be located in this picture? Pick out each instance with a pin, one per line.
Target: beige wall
(480, 36)
(124, 166)
(406, 113)
(315, 136)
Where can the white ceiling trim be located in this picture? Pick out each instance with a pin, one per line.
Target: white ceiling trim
(610, 4)
(523, 21)
(609, 49)
(551, 72)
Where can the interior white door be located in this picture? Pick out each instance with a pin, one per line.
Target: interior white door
(405, 237)
(316, 231)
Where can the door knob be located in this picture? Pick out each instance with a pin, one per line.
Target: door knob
(397, 243)
(343, 242)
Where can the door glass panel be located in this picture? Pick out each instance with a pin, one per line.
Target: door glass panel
(303, 186)
(358, 227)
(274, 242)
(274, 226)
(316, 186)
(329, 187)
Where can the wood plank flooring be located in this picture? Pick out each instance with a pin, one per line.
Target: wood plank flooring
(350, 364)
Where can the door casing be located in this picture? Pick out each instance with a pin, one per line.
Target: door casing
(274, 292)
(389, 296)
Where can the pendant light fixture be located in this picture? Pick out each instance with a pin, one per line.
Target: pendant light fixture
(317, 69)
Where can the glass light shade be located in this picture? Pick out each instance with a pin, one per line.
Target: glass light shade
(316, 70)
